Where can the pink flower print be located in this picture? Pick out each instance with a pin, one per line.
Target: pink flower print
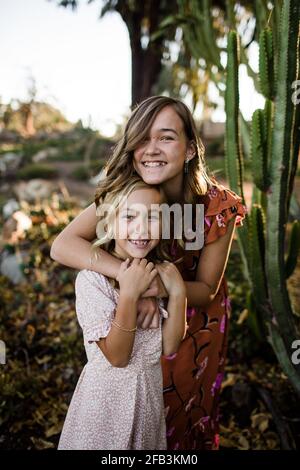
(190, 312)
(170, 431)
(189, 405)
(220, 220)
(222, 324)
(172, 356)
(217, 383)
(203, 421)
(216, 441)
(212, 193)
(202, 367)
(226, 303)
(239, 220)
(207, 221)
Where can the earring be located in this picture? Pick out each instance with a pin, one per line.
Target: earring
(186, 166)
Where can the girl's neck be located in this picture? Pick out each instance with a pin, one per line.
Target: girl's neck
(173, 189)
(121, 255)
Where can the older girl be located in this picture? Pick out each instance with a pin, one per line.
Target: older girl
(161, 144)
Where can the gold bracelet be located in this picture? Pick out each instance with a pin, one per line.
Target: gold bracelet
(123, 329)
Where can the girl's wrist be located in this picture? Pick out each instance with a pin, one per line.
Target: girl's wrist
(126, 294)
(178, 293)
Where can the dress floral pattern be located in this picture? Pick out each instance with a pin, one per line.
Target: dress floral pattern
(193, 377)
(114, 408)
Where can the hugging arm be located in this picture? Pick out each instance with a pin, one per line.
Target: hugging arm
(72, 248)
(211, 268)
(174, 327)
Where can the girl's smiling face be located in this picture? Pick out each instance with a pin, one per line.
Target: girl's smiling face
(160, 158)
(137, 224)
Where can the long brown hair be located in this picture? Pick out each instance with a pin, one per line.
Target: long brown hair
(119, 169)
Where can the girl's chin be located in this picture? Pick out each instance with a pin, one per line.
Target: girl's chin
(153, 175)
(138, 252)
(152, 178)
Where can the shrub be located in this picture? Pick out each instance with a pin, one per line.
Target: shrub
(36, 170)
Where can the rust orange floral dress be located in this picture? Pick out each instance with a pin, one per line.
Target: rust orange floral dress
(193, 376)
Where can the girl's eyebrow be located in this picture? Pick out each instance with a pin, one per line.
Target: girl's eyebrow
(129, 209)
(168, 130)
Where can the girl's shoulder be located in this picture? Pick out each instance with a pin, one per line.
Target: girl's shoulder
(87, 279)
(218, 198)
(221, 204)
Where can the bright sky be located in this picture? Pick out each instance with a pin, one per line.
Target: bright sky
(82, 65)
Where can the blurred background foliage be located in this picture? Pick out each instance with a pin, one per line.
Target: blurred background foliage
(48, 171)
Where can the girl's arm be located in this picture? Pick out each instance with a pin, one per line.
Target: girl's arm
(72, 247)
(200, 293)
(174, 327)
(117, 346)
(211, 268)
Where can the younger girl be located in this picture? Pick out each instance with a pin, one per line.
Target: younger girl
(118, 400)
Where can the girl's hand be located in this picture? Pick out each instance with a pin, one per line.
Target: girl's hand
(171, 278)
(148, 313)
(137, 277)
(156, 289)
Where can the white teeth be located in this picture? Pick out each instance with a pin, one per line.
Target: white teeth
(139, 242)
(154, 164)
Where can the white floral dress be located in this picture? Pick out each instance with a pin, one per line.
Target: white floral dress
(114, 408)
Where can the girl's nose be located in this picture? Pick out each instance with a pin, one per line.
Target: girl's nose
(152, 147)
(141, 228)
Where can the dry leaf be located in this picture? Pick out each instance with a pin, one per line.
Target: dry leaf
(41, 444)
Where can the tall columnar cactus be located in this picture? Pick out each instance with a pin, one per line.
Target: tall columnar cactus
(275, 147)
(274, 153)
(266, 61)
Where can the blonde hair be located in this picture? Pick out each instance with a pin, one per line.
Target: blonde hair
(106, 214)
(119, 169)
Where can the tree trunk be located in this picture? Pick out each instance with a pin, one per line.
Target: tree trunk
(145, 61)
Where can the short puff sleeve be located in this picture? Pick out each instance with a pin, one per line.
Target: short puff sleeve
(95, 305)
(221, 205)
